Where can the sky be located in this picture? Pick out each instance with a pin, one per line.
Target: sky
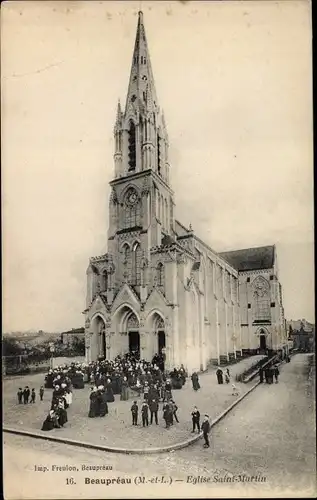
(235, 82)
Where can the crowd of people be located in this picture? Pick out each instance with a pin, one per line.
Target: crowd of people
(144, 383)
(62, 398)
(121, 373)
(127, 376)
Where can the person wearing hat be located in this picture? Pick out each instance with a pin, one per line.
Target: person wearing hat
(145, 413)
(154, 406)
(134, 411)
(26, 395)
(33, 395)
(196, 419)
(50, 422)
(103, 402)
(109, 392)
(62, 413)
(20, 395)
(174, 410)
(205, 427)
(146, 391)
(124, 390)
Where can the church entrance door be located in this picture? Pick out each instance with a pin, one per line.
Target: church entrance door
(134, 342)
(161, 340)
(103, 344)
(262, 342)
(161, 348)
(100, 328)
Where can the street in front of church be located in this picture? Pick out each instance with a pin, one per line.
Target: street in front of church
(269, 436)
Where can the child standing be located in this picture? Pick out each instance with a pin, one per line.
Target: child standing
(20, 395)
(196, 419)
(33, 396)
(41, 393)
(145, 414)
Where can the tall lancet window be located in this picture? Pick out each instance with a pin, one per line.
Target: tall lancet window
(160, 274)
(166, 216)
(136, 264)
(104, 281)
(132, 147)
(159, 166)
(261, 299)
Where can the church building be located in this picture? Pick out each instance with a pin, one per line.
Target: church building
(160, 288)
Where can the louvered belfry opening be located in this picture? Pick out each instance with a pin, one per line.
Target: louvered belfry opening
(132, 147)
(158, 155)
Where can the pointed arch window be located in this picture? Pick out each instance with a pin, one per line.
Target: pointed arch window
(125, 253)
(104, 281)
(132, 216)
(132, 147)
(136, 264)
(166, 215)
(160, 274)
(261, 299)
(159, 169)
(161, 211)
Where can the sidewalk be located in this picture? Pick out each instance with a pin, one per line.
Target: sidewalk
(115, 429)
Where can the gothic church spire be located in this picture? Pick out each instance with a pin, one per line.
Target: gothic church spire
(141, 91)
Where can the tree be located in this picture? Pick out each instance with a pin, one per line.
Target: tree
(79, 345)
(10, 347)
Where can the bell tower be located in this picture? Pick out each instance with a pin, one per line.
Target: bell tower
(141, 140)
(141, 201)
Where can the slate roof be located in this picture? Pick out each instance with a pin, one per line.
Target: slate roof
(250, 259)
(181, 230)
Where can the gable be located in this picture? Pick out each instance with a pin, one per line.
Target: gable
(156, 300)
(126, 296)
(97, 305)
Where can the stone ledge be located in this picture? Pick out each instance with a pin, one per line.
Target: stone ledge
(131, 451)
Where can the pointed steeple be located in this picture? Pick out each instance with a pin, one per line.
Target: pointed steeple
(118, 123)
(141, 85)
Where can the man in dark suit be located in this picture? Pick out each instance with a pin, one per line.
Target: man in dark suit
(154, 406)
(205, 427)
(26, 395)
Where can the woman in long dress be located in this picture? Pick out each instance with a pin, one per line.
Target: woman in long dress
(69, 397)
(219, 374)
(195, 381)
(94, 403)
(103, 404)
(124, 390)
(49, 422)
(109, 392)
(62, 413)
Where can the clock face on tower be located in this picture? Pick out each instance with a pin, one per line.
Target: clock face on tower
(131, 196)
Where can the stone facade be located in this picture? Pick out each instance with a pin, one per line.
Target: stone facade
(159, 286)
